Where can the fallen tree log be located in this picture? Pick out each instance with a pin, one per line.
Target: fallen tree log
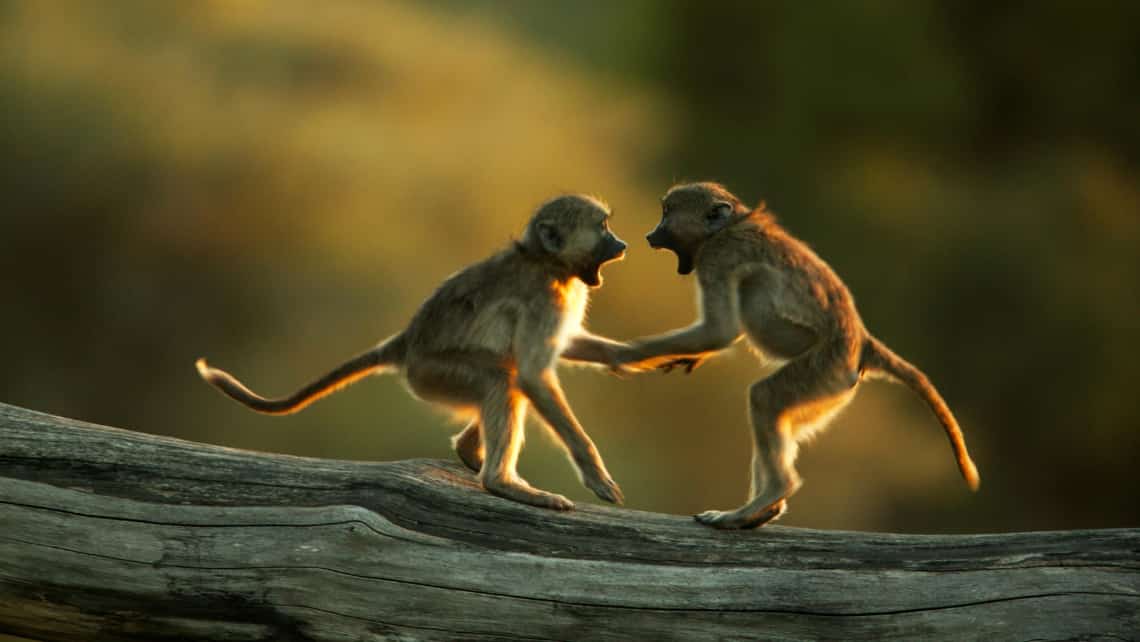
(112, 534)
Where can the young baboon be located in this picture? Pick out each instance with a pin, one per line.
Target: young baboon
(486, 344)
(755, 279)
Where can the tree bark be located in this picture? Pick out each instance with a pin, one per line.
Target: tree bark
(116, 535)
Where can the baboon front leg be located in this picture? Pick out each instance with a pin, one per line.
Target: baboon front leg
(546, 394)
(780, 408)
(501, 417)
(468, 444)
(591, 348)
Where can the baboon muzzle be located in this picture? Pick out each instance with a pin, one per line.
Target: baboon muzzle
(615, 247)
(610, 248)
(659, 238)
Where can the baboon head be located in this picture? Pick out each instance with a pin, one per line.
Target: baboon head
(574, 231)
(690, 214)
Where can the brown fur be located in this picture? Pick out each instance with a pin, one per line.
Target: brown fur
(485, 344)
(756, 280)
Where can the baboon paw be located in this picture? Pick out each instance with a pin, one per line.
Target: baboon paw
(557, 502)
(526, 494)
(714, 518)
(767, 516)
(606, 489)
(470, 460)
(621, 371)
(730, 520)
(688, 363)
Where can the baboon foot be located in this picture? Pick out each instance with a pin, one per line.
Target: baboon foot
(470, 458)
(743, 518)
(469, 449)
(523, 492)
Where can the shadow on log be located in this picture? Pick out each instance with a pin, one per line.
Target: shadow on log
(111, 534)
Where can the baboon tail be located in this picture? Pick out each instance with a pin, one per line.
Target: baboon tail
(877, 357)
(386, 356)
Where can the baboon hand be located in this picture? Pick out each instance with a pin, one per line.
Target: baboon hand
(617, 362)
(621, 371)
(688, 363)
(604, 487)
(627, 361)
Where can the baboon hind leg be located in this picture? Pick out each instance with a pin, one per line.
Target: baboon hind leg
(474, 384)
(801, 396)
(502, 416)
(468, 445)
(460, 385)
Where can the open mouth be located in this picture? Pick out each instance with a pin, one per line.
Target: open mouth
(614, 251)
(592, 277)
(662, 241)
(684, 261)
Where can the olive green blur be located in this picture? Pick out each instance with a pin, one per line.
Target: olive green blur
(276, 186)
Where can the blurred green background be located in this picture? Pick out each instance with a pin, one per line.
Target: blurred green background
(277, 185)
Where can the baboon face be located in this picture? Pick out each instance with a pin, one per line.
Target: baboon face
(576, 230)
(689, 215)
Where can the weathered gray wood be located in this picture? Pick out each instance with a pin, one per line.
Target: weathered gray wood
(111, 534)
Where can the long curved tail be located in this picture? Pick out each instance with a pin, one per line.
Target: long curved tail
(878, 357)
(386, 356)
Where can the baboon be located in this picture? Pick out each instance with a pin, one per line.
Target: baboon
(755, 279)
(486, 343)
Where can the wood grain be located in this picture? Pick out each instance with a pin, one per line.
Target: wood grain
(116, 535)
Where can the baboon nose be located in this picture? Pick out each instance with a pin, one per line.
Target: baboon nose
(656, 238)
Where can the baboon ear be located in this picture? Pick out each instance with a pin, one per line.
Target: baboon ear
(550, 237)
(719, 215)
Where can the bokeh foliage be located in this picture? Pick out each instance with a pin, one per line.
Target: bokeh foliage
(276, 185)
